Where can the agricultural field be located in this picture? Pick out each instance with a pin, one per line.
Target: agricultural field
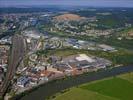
(128, 76)
(114, 88)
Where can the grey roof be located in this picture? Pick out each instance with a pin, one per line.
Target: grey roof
(23, 80)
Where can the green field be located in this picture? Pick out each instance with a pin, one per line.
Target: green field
(128, 77)
(81, 94)
(114, 88)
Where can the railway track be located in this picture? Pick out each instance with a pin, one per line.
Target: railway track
(17, 54)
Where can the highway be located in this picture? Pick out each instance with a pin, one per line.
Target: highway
(16, 55)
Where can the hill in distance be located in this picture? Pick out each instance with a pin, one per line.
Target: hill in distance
(68, 17)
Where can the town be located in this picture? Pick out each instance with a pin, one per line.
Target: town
(37, 69)
(39, 47)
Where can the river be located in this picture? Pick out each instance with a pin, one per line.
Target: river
(52, 88)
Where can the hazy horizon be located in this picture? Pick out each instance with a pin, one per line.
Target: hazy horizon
(94, 3)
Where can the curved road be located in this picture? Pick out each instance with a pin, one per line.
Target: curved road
(51, 88)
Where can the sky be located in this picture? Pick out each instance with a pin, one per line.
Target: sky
(95, 3)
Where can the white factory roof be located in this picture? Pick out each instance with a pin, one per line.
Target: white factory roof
(33, 36)
(82, 57)
(106, 47)
(28, 40)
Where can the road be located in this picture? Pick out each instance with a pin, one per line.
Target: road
(17, 54)
(51, 88)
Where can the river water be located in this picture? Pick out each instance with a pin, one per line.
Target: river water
(52, 88)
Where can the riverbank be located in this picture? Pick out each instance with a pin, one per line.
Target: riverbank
(51, 88)
(100, 89)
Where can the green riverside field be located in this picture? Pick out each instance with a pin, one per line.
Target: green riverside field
(114, 88)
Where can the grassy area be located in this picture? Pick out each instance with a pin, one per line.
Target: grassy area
(114, 88)
(1, 98)
(113, 41)
(109, 22)
(81, 94)
(128, 76)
